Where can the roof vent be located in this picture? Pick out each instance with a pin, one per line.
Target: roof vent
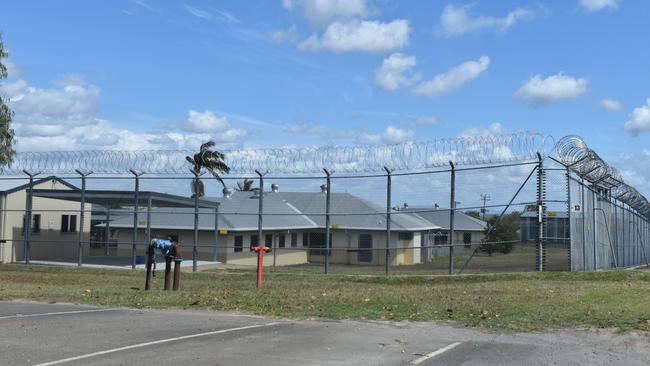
(275, 188)
(323, 188)
(227, 192)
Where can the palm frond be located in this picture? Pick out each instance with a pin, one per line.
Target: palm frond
(207, 145)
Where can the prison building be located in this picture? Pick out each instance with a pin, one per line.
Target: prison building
(55, 223)
(556, 226)
(468, 230)
(294, 225)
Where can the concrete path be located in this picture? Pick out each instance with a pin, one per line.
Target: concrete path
(54, 334)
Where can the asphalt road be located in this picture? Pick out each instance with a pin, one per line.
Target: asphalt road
(55, 334)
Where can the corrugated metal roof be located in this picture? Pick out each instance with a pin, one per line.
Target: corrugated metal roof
(440, 217)
(288, 210)
(14, 184)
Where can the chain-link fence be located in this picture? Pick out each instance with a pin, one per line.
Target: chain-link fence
(536, 215)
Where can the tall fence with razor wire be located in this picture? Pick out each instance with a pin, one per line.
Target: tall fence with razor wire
(515, 202)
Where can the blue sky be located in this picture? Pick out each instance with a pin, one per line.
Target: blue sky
(151, 74)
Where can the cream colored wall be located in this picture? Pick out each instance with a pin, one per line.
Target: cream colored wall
(343, 241)
(345, 244)
(225, 251)
(50, 243)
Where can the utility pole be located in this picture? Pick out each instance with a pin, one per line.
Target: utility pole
(485, 197)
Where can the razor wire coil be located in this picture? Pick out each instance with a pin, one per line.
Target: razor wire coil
(410, 156)
(578, 157)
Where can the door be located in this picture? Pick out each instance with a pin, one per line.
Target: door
(365, 248)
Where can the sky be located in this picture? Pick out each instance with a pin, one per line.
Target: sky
(144, 74)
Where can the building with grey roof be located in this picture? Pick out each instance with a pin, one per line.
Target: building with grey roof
(468, 230)
(53, 222)
(294, 225)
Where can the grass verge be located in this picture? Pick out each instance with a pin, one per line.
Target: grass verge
(520, 301)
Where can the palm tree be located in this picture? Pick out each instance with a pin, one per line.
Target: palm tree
(245, 186)
(211, 160)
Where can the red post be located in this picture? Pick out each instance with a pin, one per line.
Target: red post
(260, 250)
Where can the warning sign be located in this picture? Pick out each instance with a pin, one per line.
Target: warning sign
(576, 207)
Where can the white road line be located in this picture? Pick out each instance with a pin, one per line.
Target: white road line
(433, 354)
(55, 313)
(125, 348)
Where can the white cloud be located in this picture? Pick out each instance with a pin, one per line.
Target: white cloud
(597, 5)
(205, 122)
(391, 134)
(639, 119)
(364, 36)
(456, 21)
(394, 72)
(321, 13)
(396, 135)
(212, 14)
(73, 102)
(493, 129)
(453, 79)
(288, 35)
(64, 117)
(611, 104)
(12, 70)
(635, 169)
(368, 138)
(537, 91)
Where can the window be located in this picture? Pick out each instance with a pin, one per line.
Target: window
(281, 241)
(305, 239)
(36, 223)
(440, 239)
(317, 241)
(467, 239)
(365, 248)
(294, 240)
(407, 236)
(254, 240)
(68, 223)
(239, 243)
(268, 240)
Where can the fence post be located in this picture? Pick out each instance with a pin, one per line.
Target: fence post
(623, 235)
(135, 215)
(584, 230)
(388, 204)
(216, 234)
(107, 231)
(195, 237)
(27, 227)
(82, 211)
(615, 228)
(595, 221)
(148, 232)
(568, 199)
(328, 230)
(452, 214)
(260, 212)
(541, 213)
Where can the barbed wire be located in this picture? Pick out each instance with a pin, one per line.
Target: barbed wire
(474, 150)
(576, 155)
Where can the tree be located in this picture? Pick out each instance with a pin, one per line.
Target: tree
(211, 160)
(245, 186)
(7, 151)
(499, 238)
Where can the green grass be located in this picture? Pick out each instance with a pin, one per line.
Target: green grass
(526, 301)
